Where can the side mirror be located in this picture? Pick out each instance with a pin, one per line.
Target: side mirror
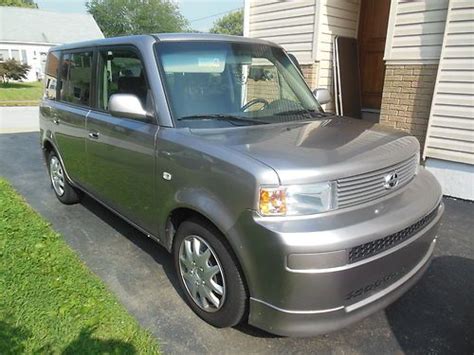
(128, 106)
(322, 95)
(295, 62)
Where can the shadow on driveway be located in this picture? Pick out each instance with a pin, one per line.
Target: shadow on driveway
(437, 315)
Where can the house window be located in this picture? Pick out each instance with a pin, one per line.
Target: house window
(16, 54)
(3, 55)
(24, 58)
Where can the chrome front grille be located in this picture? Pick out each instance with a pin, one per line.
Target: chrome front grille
(370, 186)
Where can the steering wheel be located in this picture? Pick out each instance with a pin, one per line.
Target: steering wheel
(254, 102)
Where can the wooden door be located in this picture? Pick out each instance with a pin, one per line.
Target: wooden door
(371, 37)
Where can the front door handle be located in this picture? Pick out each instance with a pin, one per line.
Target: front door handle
(94, 135)
(56, 121)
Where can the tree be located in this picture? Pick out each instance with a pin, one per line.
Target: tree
(129, 17)
(19, 3)
(13, 70)
(230, 24)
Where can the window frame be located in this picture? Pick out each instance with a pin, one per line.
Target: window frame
(133, 49)
(92, 88)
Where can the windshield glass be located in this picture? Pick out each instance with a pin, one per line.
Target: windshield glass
(223, 84)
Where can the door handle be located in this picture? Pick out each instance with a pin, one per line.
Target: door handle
(56, 121)
(94, 135)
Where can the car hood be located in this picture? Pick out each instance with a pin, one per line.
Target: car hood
(326, 149)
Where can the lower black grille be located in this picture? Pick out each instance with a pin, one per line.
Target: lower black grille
(375, 247)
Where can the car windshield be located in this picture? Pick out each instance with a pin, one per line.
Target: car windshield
(224, 84)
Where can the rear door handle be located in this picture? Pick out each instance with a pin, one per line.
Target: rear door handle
(94, 135)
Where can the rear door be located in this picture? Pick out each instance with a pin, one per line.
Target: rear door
(71, 111)
(120, 150)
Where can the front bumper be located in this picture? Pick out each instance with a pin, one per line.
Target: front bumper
(300, 280)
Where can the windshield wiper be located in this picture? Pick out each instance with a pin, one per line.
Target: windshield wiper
(220, 117)
(312, 113)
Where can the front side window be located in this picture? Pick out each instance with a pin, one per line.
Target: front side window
(51, 77)
(233, 84)
(76, 70)
(120, 72)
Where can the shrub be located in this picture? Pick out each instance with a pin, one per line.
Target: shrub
(12, 69)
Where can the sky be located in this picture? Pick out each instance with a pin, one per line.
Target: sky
(200, 13)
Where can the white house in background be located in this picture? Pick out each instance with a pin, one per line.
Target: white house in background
(27, 34)
(416, 64)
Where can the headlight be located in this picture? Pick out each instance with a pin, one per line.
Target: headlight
(296, 200)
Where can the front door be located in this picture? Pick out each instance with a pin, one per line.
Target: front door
(120, 151)
(71, 110)
(371, 37)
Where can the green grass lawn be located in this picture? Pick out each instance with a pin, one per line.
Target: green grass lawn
(20, 94)
(49, 301)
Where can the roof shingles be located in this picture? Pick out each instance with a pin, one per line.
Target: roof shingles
(25, 25)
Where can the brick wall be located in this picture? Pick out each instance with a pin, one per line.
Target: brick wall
(406, 100)
(310, 72)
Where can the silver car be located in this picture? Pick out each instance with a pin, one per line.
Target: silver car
(276, 213)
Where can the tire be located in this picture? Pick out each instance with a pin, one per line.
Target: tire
(232, 304)
(61, 187)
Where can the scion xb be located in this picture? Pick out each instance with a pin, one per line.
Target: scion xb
(276, 212)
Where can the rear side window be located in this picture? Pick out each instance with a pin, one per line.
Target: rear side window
(76, 71)
(51, 77)
(120, 71)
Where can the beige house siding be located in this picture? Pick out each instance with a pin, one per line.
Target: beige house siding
(290, 24)
(335, 18)
(451, 123)
(412, 51)
(306, 28)
(415, 31)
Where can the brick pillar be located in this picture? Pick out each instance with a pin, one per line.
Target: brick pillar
(310, 72)
(406, 100)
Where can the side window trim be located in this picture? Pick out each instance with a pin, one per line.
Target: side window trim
(92, 76)
(99, 49)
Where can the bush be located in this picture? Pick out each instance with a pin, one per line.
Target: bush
(11, 69)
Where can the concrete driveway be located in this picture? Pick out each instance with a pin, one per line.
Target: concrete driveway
(19, 119)
(436, 316)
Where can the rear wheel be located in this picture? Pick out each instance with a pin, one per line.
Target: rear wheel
(62, 189)
(208, 274)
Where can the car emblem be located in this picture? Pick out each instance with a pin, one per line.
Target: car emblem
(391, 180)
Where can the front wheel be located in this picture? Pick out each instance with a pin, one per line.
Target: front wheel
(62, 189)
(208, 274)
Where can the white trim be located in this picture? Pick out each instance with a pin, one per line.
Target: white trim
(390, 29)
(456, 179)
(316, 30)
(30, 43)
(358, 21)
(410, 61)
(247, 18)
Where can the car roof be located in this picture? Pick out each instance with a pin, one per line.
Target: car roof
(162, 37)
